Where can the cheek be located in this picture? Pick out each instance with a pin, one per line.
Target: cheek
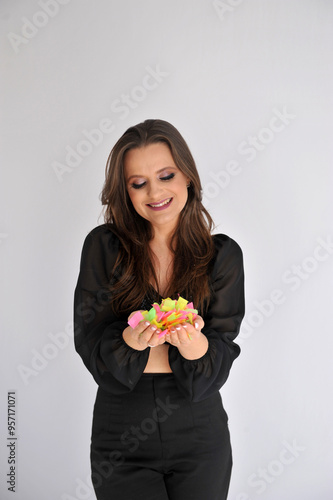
(183, 192)
(132, 194)
(135, 198)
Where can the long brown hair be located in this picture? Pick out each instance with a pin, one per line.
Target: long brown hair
(191, 242)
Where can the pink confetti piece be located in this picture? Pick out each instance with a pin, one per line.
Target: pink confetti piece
(135, 319)
(164, 332)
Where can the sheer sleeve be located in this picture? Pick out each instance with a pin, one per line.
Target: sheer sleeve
(98, 339)
(200, 378)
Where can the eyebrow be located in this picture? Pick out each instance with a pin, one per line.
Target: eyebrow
(158, 171)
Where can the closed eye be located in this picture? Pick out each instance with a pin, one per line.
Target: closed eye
(138, 186)
(168, 177)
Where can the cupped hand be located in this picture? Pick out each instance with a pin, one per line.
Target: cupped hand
(184, 333)
(144, 335)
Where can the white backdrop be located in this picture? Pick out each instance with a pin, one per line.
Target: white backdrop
(249, 85)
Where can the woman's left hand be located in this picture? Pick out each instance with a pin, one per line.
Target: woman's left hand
(185, 333)
(190, 341)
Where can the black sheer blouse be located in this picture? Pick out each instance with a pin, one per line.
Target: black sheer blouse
(117, 367)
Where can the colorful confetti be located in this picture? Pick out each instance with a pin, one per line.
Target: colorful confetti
(167, 314)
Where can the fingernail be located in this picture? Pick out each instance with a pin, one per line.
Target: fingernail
(177, 327)
(146, 323)
(153, 328)
(196, 325)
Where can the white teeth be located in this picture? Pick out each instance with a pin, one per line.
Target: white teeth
(160, 204)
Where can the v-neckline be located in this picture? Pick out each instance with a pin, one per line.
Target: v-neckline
(155, 292)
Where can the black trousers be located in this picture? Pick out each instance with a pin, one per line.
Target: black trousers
(153, 444)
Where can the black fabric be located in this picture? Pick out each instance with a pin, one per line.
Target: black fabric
(115, 366)
(154, 444)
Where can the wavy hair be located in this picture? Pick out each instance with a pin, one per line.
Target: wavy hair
(191, 243)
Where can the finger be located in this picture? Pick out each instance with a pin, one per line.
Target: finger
(141, 327)
(144, 331)
(185, 333)
(155, 340)
(177, 335)
(199, 323)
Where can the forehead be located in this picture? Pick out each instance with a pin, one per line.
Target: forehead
(148, 158)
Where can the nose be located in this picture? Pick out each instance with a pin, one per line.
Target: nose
(154, 190)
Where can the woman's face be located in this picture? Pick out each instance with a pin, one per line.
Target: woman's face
(156, 186)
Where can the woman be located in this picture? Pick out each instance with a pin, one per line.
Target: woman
(159, 428)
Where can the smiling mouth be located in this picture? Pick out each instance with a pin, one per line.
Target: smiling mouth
(160, 204)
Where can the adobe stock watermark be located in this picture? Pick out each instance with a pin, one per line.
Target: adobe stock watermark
(293, 277)
(30, 27)
(264, 476)
(121, 108)
(43, 356)
(225, 7)
(131, 439)
(87, 310)
(248, 148)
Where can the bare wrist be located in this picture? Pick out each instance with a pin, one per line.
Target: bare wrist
(195, 349)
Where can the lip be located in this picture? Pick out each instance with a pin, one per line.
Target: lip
(163, 207)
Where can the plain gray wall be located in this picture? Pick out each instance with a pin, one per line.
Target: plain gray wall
(249, 85)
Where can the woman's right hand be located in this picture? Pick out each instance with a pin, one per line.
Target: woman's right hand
(143, 335)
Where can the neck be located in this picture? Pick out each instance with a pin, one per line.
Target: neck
(161, 237)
